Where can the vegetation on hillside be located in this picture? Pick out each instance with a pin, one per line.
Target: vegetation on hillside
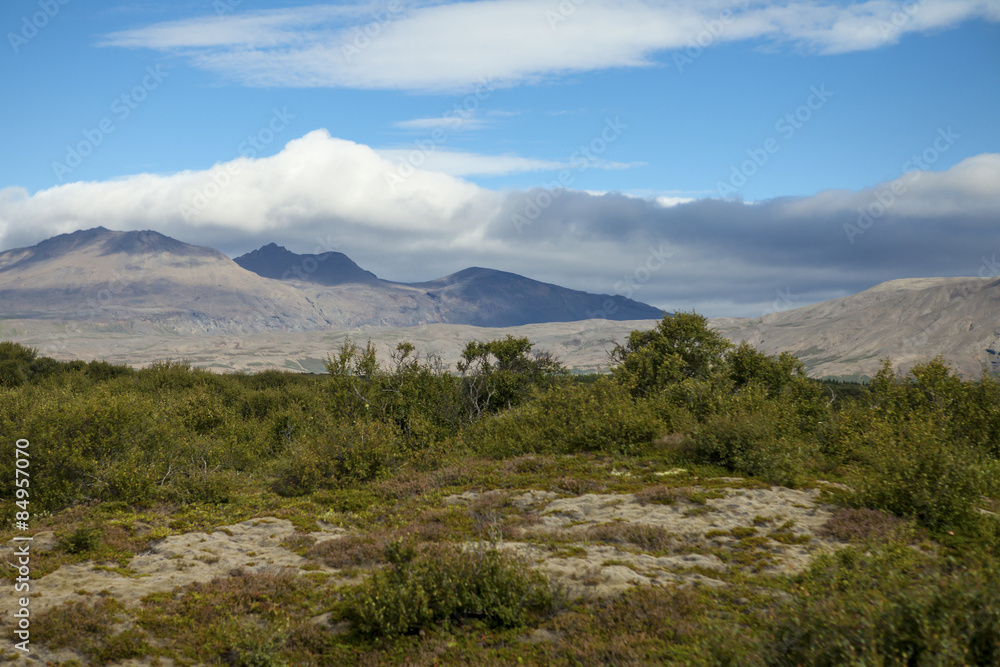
(375, 444)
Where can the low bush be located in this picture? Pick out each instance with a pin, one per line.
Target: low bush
(863, 525)
(91, 628)
(753, 437)
(914, 472)
(567, 418)
(342, 455)
(446, 584)
(890, 606)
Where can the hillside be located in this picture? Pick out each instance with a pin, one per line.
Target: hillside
(908, 320)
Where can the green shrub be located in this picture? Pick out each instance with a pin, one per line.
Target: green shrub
(342, 455)
(913, 471)
(423, 402)
(890, 607)
(681, 346)
(13, 373)
(102, 371)
(82, 539)
(447, 584)
(754, 436)
(105, 443)
(567, 418)
(501, 374)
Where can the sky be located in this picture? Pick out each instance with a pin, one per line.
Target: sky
(733, 157)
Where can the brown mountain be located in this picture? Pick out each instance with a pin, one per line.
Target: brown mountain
(909, 321)
(149, 281)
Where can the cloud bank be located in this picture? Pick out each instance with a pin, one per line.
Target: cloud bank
(721, 257)
(456, 45)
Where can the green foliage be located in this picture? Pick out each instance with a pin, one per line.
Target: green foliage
(82, 539)
(239, 619)
(921, 448)
(925, 447)
(753, 436)
(424, 403)
(500, 374)
(748, 365)
(890, 607)
(566, 418)
(446, 584)
(13, 373)
(10, 351)
(914, 472)
(341, 455)
(20, 364)
(681, 346)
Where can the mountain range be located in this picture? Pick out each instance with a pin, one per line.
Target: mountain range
(138, 297)
(155, 282)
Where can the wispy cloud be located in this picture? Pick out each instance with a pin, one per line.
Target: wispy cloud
(450, 123)
(449, 46)
(725, 257)
(456, 163)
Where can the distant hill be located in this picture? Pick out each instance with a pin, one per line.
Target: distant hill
(504, 298)
(474, 296)
(909, 321)
(145, 281)
(328, 268)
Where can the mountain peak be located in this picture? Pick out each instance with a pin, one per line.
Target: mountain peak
(328, 268)
(148, 241)
(108, 241)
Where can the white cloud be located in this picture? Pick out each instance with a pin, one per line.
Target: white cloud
(667, 202)
(314, 178)
(322, 193)
(449, 46)
(457, 163)
(448, 123)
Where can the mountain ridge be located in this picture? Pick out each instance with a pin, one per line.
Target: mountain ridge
(104, 275)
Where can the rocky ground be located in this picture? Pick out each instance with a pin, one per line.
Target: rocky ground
(588, 545)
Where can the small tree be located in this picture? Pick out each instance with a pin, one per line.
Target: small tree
(680, 347)
(500, 374)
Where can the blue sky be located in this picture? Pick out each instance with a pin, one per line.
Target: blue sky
(744, 139)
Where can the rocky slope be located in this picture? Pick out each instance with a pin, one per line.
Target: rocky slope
(909, 321)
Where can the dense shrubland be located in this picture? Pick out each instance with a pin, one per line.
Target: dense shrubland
(924, 447)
